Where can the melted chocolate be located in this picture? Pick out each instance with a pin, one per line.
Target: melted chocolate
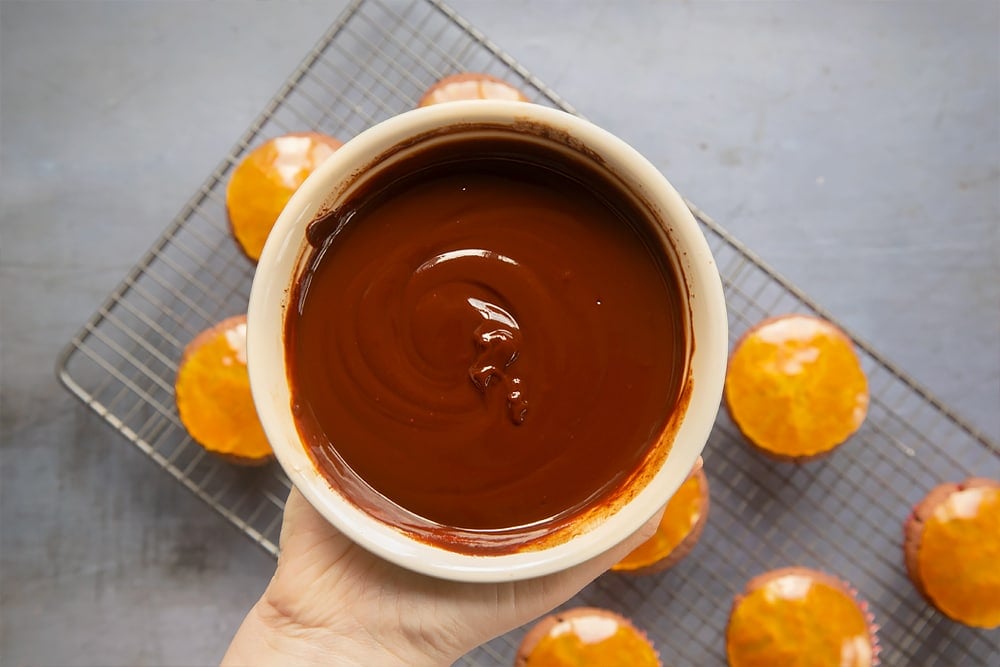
(483, 341)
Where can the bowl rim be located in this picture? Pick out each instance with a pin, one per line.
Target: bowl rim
(279, 264)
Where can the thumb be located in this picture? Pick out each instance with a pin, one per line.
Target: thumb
(303, 528)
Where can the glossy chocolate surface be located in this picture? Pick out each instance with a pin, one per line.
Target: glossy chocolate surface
(483, 339)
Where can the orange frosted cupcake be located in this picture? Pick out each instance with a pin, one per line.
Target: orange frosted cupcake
(585, 636)
(678, 531)
(796, 617)
(952, 551)
(795, 387)
(213, 394)
(470, 86)
(265, 180)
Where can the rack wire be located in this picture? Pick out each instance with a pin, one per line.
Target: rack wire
(842, 515)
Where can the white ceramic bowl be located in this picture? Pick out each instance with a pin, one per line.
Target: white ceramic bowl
(282, 261)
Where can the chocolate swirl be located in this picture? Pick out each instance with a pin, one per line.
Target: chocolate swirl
(487, 343)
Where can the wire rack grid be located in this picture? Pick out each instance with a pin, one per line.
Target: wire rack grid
(842, 515)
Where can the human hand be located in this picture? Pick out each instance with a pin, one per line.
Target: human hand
(330, 602)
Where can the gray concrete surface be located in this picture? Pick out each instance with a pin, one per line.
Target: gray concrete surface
(855, 146)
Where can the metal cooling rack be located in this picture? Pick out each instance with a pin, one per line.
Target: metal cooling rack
(842, 515)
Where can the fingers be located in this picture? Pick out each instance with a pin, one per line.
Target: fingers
(563, 585)
(618, 552)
